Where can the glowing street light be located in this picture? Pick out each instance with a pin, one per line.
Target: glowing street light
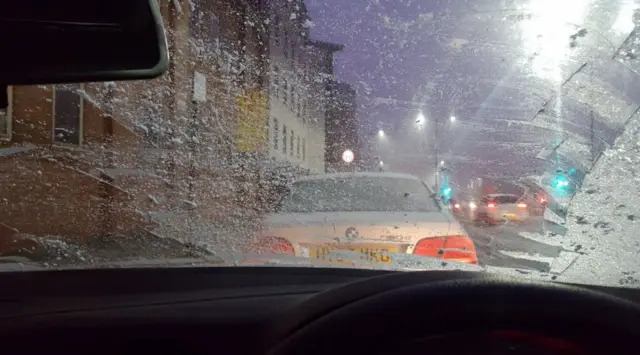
(420, 119)
(452, 119)
(380, 133)
(381, 163)
(347, 156)
(441, 162)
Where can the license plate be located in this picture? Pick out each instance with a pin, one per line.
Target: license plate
(370, 254)
(510, 216)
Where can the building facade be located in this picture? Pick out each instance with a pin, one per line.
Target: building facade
(90, 159)
(300, 70)
(342, 128)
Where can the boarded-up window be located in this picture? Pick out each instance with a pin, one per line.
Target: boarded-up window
(67, 114)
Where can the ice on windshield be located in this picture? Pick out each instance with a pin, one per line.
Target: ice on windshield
(531, 98)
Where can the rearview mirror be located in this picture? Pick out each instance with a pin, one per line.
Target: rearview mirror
(64, 41)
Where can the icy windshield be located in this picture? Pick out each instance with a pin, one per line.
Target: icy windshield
(278, 119)
(359, 194)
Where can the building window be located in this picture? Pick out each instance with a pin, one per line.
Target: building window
(292, 141)
(276, 82)
(293, 53)
(304, 110)
(284, 139)
(284, 86)
(276, 32)
(276, 134)
(298, 147)
(286, 43)
(291, 90)
(304, 149)
(299, 104)
(214, 30)
(5, 116)
(67, 114)
(294, 98)
(195, 21)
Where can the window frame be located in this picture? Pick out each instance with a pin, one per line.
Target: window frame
(7, 136)
(80, 118)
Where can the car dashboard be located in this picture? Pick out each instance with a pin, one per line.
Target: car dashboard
(239, 310)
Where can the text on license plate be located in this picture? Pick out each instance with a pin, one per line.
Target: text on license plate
(333, 253)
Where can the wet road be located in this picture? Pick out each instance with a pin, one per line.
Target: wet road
(533, 245)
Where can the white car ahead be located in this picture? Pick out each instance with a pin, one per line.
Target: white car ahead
(346, 218)
(500, 207)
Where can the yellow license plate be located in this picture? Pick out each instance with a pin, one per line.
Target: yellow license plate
(332, 254)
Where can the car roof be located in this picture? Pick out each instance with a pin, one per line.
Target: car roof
(500, 195)
(359, 174)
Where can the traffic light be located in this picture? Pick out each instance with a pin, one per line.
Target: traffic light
(446, 191)
(560, 182)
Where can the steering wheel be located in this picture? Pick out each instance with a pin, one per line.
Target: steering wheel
(402, 313)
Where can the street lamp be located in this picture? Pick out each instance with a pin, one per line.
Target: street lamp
(452, 119)
(347, 156)
(380, 133)
(420, 119)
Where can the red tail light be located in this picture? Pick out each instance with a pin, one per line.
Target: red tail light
(491, 205)
(458, 248)
(272, 245)
(522, 205)
(456, 206)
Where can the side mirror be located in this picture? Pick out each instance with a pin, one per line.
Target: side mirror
(64, 41)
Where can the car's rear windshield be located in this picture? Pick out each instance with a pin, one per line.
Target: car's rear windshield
(503, 199)
(361, 194)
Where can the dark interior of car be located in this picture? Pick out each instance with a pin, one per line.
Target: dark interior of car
(259, 310)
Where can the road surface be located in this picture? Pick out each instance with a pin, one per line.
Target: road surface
(535, 245)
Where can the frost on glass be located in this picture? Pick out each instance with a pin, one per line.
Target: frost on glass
(516, 96)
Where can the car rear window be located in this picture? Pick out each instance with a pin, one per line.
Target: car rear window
(506, 199)
(361, 194)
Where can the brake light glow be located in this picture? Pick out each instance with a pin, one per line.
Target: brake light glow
(543, 200)
(522, 205)
(491, 205)
(456, 206)
(458, 248)
(272, 245)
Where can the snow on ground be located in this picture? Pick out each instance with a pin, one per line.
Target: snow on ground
(604, 217)
(548, 238)
(558, 264)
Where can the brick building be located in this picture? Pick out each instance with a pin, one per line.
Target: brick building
(123, 158)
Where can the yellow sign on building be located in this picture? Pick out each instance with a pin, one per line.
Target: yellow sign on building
(252, 123)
